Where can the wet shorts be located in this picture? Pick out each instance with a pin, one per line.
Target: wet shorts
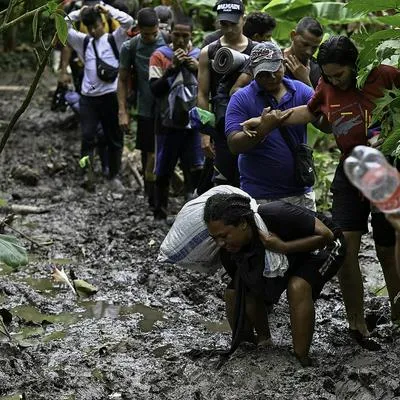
(316, 268)
(145, 134)
(350, 211)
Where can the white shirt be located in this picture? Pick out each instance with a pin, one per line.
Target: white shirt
(92, 85)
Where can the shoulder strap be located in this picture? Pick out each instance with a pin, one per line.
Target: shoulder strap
(212, 49)
(166, 36)
(111, 40)
(113, 45)
(287, 137)
(85, 44)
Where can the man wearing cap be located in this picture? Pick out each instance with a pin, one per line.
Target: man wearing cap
(230, 16)
(266, 163)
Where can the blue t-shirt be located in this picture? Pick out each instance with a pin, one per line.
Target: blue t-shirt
(267, 170)
(135, 53)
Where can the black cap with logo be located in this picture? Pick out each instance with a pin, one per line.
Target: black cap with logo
(229, 10)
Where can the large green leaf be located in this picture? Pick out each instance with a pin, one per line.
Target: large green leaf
(11, 251)
(61, 27)
(328, 12)
(366, 6)
(289, 9)
(390, 19)
(384, 35)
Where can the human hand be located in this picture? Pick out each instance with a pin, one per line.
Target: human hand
(207, 146)
(191, 63)
(266, 122)
(123, 120)
(64, 78)
(179, 57)
(300, 71)
(272, 242)
(250, 126)
(101, 8)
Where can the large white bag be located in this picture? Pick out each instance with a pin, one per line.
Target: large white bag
(189, 244)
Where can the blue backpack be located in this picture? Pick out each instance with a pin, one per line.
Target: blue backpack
(182, 95)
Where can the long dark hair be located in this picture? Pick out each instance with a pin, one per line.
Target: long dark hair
(338, 50)
(231, 209)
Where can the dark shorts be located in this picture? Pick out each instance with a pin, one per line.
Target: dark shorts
(145, 134)
(350, 211)
(315, 268)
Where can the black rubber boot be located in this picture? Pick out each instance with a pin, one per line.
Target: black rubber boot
(161, 189)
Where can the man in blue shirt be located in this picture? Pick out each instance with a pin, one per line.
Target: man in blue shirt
(266, 163)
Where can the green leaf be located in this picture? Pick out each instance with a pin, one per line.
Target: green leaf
(35, 25)
(52, 6)
(390, 19)
(84, 162)
(11, 251)
(384, 35)
(291, 10)
(61, 27)
(366, 6)
(84, 288)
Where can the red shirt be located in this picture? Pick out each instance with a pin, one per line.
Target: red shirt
(349, 112)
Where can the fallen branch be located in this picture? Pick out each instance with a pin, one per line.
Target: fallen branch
(28, 238)
(21, 209)
(136, 174)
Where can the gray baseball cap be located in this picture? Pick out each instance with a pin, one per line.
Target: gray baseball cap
(266, 56)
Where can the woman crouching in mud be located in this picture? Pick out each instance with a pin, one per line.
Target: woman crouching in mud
(315, 252)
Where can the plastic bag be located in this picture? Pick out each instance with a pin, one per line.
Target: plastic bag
(189, 244)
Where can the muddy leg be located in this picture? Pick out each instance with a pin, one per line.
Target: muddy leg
(302, 315)
(248, 329)
(386, 256)
(351, 284)
(256, 312)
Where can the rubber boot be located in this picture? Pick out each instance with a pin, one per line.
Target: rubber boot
(161, 190)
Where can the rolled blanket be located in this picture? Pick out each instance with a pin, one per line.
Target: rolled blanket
(227, 60)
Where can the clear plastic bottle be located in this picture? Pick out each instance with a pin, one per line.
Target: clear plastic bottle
(369, 171)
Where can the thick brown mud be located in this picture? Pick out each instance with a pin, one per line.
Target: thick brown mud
(131, 340)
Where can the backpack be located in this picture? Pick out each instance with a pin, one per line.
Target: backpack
(182, 96)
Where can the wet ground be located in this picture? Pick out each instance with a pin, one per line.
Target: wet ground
(130, 340)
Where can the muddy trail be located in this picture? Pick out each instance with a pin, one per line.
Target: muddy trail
(132, 339)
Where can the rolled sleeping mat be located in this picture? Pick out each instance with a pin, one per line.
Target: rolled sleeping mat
(227, 60)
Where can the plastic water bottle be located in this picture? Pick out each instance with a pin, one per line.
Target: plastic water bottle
(369, 171)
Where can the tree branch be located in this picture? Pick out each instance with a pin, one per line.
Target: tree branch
(29, 95)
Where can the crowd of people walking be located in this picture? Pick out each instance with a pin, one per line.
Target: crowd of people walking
(122, 58)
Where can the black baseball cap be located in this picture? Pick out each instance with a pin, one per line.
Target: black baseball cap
(229, 10)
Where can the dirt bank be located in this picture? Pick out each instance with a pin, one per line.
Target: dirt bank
(130, 340)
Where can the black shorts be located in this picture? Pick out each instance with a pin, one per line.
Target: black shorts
(316, 268)
(145, 134)
(350, 211)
